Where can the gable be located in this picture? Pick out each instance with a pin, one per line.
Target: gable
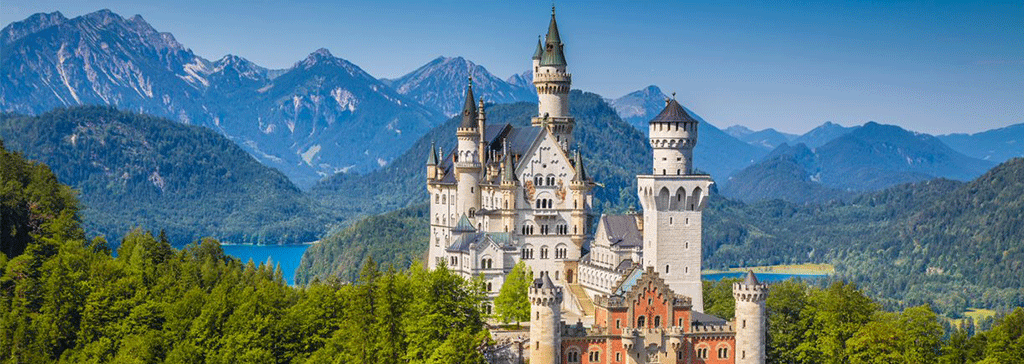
(545, 157)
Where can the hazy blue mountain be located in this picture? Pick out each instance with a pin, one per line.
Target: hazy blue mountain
(321, 116)
(767, 138)
(996, 145)
(441, 82)
(524, 80)
(135, 170)
(717, 153)
(822, 134)
(869, 158)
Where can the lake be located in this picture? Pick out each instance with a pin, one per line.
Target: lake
(762, 277)
(288, 256)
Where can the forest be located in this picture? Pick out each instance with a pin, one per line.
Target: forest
(67, 298)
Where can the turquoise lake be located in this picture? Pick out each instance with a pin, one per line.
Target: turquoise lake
(288, 256)
(763, 277)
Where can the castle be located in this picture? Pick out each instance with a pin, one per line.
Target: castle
(508, 194)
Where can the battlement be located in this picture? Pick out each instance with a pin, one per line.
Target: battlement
(712, 329)
(542, 77)
(750, 292)
(546, 296)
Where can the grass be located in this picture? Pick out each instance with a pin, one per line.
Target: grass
(808, 268)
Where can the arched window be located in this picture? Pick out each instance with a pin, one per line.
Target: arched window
(723, 352)
(573, 356)
(657, 321)
(640, 321)
(666, 268)
(544, 252)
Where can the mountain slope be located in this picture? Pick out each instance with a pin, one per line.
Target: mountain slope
(869, 158)
(996, 145)
(614, 153)
(767, 138)
(716, 152)
(822, 134)
(440, 84)
(321, 116)
(135, 170)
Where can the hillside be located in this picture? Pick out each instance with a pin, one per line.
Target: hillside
(869, 158)
(716, 152)
(614, 153)
(767, 138)
(822, 134)
(134, 170)
(318, 117)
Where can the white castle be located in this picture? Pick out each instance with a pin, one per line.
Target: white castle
(508, 194)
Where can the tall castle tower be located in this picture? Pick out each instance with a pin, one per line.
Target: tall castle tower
(553, 83)
(673, 198)
(468, 163)
(750, 324)
(545, 321)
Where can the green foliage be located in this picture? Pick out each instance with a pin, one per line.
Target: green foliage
(513, 301)
(33, 204)
(135, 170)
(718, 298)
(67, 300)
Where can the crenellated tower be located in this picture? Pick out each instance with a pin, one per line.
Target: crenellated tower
(751, 322)
(673, 199)
(468, 158)
(553, 84)
(545, 321)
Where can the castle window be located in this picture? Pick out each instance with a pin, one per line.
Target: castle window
(573, 356)
(489, 286)
(595, 356)
(679, 172)
(723, 353)
(666, 268)
(702, 353)
(657, 321)
(618, 323)
(618, 356)
(680, 322)
(556, 275)
(544, 252)
(640, 322)
(744, 324)
(679, 355)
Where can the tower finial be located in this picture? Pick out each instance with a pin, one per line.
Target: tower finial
(470, 80)
(552, 8)
(673, 95)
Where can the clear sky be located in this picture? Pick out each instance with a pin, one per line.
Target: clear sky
(929, 66)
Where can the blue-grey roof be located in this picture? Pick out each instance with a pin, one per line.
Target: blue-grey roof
(703, 319)
(673, 113)
(751, 279)
(464, 225)
(629, 281)
(622, 231)
(464, 241)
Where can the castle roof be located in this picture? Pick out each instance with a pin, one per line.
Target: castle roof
(622, 230)
(750, 279)
(464, 225)
(581, 174)
(698, 318)
(553, 55)
(465, 241)
(432, 155)
(469, 110)
(540, 50)
(546, 281)
(673, 113)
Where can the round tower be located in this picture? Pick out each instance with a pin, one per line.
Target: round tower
(467, 162)
(751, 320)
(553, 84)
(673, 134)
(545, 321)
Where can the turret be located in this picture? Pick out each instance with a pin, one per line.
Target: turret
(432, 163)
(481, 118)
(750, 323)
(673, 134)
(545, 321)
(553, 84)
(467, 162)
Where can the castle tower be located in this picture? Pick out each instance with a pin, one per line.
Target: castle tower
(553, 83)
(508, 190)
(545, 321)
(673, 199)
(467, 162)
(431, 163)
(750, 324)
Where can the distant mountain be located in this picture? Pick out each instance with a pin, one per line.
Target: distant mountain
(869, 158)
(996, 145)
(614, 152)
(441, 82)
(321, 116)
(767, 138)
(134, 170)
(717, 153)
(524, 80)
(823, 134)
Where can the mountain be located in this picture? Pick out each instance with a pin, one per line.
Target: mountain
(440, 84)
(869, 158)
(134, 170)
(614, 152)
(524, 80)
(822, 134)
(321, 116)
(767, 138)
(996, 145)
(717, 153)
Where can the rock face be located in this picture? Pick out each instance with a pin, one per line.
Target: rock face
(441, 82)
(318, 117)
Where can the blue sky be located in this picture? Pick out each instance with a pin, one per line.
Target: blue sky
(935, 66)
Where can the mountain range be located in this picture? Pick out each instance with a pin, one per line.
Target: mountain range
(437, 84)
(767, 138)
(869, 158)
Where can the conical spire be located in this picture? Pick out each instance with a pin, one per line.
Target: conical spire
(553, 53)
(546, 282)
(581, 174)
(469, 110)
(751, 279)
(432, 155)
(540, 50)
(508, 170)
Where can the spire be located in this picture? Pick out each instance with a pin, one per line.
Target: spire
(673, 113)
(432, 155)
(751, 279)
(508, 171)
(581, 175)
(469, 110)
(553, 55)
(546, 282)
(540, 50)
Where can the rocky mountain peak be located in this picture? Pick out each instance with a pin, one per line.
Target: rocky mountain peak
(32, 24)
